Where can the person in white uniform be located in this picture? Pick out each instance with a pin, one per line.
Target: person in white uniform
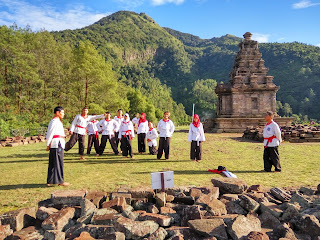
(78, 130)
(135, 121)
(272, 140)
(55, 144)
(152, 136)
(93, 136)
(108, 127)
(166, 129)
(119, 119)
(196, 137)
(142, 131)
(126, 134)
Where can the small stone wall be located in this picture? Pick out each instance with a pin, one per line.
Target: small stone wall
(227, 209)
(294, 134)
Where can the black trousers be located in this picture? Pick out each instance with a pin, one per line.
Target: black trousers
(72, 141)
(153, 150)
(116, 135)
(112, 141)
(141, 142)
(164, 146)
(195, 151)
(55, 168)
(92, 139)
(271, 158)
(126, 146)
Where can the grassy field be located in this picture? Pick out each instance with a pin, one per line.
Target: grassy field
(23, 169)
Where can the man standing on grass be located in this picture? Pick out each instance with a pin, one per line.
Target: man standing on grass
(55, 144)
(272, 140)
(166, 129)
(78, 130)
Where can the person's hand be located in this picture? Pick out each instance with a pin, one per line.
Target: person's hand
(48, 148)
(70, 132)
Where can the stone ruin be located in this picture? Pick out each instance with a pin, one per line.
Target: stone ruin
(249, 94)
(228, 209)
(295, 134)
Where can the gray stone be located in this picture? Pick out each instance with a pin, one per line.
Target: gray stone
(216, 207)
(135, 229)
(290, 212)
(100, 231)
(162, 220)
(256, 188)
(268, 220)
(188, 200)
(248, 203)
(19, 219)
(97, 197)
(257, 236)
(234, 208)
(272, 208)
(181, 233)
(152, 208)
(54, 235)
(142, 192)
(58, 220)
(230, 185)
(284, 231)
(127, 196)
(160, 234)
(230, 197)
(29, 233)
(118, 204)
(302, 201)
(190, 213)
(68, 197)
(307, 191)
(308, 224)
(209, 228)
(43, 212)
(280, 194)
(241, 226)
(161, 199)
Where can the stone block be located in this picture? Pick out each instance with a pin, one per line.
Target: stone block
(280, 194)
(43, 213)
(142, 192)
(54, 235)
(190, 213)
(160, 234)
(256, 188)
(308, 224)
(301, 200)
(234, 208)
(19, 219)
(5, 231)
(181, 233)
(216, 207)
(106, 219)
(209, 228)
(254, 235)
(58, 220)
(162, 220)
(248, 203)
(188, 200)
(97, 197)
(268, 220)
(118, 204)
(127, 196)
(68, 197)
(161, 199)
(272, 208)
(230, 185)
(135, 229)
(230, 197)
(102, 232)
(241, 226)
(152, 208)
(29, 233)
(84, 236)
(167, 210)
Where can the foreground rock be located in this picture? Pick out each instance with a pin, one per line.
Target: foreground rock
(228, 209)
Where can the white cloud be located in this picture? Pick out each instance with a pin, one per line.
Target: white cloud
(318, 45)
(46, 16)
(304, 4)
(260, 37)
(161, 2)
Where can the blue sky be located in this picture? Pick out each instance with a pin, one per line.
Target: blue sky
(268, 20)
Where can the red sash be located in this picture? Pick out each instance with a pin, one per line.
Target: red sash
(128, 133)
(269, 140)
(80, 126)
(58, 136)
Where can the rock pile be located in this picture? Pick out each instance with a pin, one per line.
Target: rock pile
(226, 210)
(19, 140)
(296, 133)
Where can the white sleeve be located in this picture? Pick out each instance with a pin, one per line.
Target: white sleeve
(120, 132)
(93, 117)
(190, 134)
(132, 129)
(49, 135)
(116, 126)
(172, 127)
(278, 132)
(159, 126)
(99, 125)
(146, 128)
(74, 123)
(202, 138)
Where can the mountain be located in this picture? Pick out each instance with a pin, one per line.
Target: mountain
(144, 55)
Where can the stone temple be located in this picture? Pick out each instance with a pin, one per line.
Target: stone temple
(249, 94)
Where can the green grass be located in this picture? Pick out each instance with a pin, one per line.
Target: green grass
(23, 169)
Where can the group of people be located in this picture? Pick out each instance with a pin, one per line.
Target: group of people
(121, 130)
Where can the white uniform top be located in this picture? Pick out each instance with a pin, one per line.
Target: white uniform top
(165, 129)
(92, 127)
(119, 121)
(196, 133)
(55, 127)
(82, 122)
(108, 127)
(270, 130)
(143, 127)
(124, 127)
(152, 135)
(135, 120)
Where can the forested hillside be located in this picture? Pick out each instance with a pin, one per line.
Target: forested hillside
(126, 60)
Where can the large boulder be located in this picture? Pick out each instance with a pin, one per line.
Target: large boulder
(209, 228)
(241, 226)
(230, 185)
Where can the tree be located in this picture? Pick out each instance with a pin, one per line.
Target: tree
(287, 110)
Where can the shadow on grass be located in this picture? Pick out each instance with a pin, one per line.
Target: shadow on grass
(240, 139)
(17, 186)
(204, 172)
(124, 160)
